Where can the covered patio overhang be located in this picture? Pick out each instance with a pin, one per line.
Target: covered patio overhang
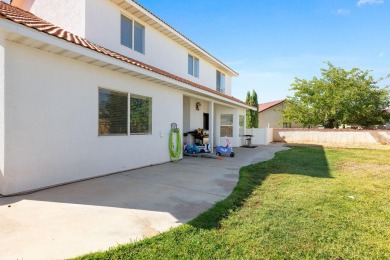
(214, 119)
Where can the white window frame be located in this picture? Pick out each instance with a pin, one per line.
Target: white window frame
(226, 125)
(220, 82)
(133, 40)
(193, 65)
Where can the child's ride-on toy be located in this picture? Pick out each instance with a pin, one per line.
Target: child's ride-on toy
(222, 150)
(191, 149)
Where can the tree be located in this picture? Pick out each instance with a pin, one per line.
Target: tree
(339, 97)
(255, 114)
(252, 117)
(248, 111)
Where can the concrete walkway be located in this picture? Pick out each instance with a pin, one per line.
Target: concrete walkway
(94, 215)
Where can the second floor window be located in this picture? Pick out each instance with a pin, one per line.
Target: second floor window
(220, 82)
(193, 66)
(132, 34)
(139, 37)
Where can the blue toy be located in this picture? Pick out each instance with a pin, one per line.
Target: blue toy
(222, 150)
(191, 149)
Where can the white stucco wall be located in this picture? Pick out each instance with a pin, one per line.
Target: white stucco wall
(260, 136)
(197, 115)
(2, 95)
(160, 51)
(69, 14)
(186, 114)
(99, 22)
(52, 121)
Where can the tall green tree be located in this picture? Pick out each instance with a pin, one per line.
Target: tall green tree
(248, 111)
(338, 97)
(252, 117)
(255, 114)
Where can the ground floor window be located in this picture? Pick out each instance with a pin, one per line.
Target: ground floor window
(112, 112)
(226, 125)
(286, 125)
(140, 114)
(242, 125)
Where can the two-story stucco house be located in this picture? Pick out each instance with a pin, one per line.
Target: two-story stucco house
(91, 87)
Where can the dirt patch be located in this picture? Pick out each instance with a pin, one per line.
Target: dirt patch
(366, 169)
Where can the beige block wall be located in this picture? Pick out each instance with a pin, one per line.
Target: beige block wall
(332, 137)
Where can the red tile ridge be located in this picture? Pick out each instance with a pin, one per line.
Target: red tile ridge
(29, 20)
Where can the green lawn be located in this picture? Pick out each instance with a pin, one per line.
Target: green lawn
(306, 203)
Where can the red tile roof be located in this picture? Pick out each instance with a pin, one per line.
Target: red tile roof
(28, 19)
(387, 110)
(265, 106)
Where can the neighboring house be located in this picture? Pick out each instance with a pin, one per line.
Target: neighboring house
(270, 115)
(91, 87)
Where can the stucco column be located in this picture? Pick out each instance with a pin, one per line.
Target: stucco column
(211, 125)
(236, 127)
(2, 109)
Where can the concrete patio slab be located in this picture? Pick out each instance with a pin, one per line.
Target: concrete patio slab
(94, 215)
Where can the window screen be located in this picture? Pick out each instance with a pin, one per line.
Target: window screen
(196, 67)
(193, 66)
(139, 37)
(140, 114)
(126, 32)
(112, 112)
(220, 82)
(190, 65)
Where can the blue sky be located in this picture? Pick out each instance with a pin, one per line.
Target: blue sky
(270, 42)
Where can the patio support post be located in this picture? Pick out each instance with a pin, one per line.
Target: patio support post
(2, 106)
(211, 126)
(236, 128)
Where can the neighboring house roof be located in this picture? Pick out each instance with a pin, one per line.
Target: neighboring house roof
(387, 110)
(268, 105)
(29, 20)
